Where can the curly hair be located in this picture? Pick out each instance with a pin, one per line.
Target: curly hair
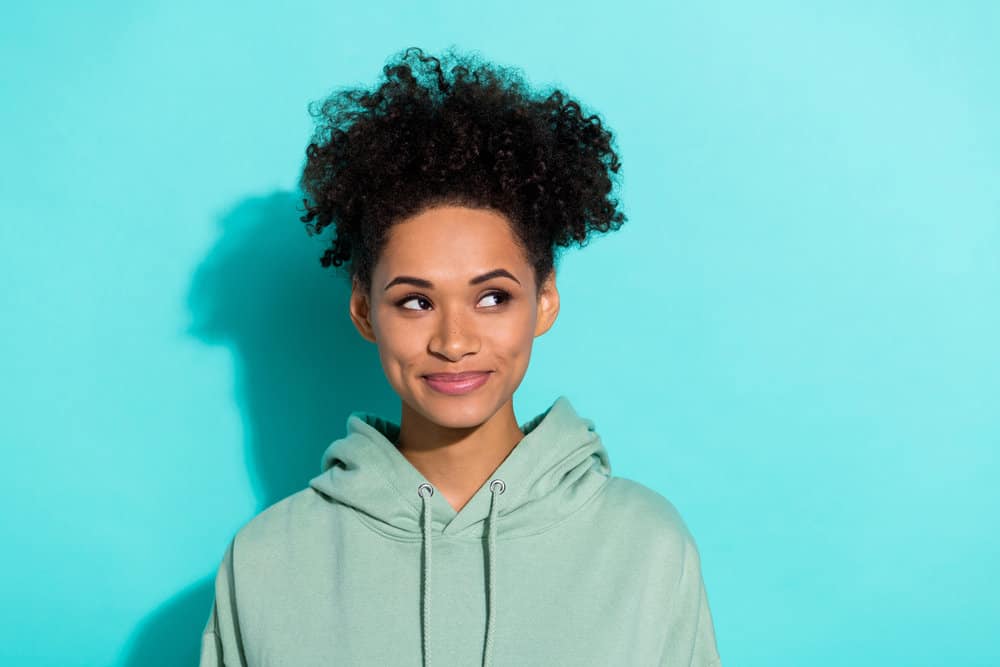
(479, 138)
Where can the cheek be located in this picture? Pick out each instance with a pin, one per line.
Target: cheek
(401, 346)
(514, 337)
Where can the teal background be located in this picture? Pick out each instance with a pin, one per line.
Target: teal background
(794, 337)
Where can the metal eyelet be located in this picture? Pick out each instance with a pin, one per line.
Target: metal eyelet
(423, 486)
(503, 486)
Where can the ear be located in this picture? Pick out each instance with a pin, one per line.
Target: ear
(360, 306)
(548, 305)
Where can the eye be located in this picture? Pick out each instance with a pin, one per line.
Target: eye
(412, 297)
(498, 294)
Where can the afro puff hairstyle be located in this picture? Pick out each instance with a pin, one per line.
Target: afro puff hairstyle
(457, 132)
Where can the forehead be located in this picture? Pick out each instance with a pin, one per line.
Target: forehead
(451, 241)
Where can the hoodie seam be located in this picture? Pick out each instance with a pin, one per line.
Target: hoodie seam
(599, 492)
(369, 523)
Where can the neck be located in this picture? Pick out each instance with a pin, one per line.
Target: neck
(458, 461)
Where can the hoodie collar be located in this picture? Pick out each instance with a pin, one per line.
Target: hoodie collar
(556, 467)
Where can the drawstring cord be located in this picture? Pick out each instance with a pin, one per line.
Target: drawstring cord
(497, 486)
(426, 600)
(491, 542)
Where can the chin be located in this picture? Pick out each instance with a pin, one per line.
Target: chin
(457, 411)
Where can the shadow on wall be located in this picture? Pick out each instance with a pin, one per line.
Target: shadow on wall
(300, 365)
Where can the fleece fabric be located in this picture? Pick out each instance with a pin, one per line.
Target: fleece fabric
(552, 562)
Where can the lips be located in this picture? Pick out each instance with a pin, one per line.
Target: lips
(455, 384)
(455, 377)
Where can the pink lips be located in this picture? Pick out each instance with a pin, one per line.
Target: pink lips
(456, 383)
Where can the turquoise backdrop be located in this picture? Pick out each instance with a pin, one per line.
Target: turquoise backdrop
(794, 337)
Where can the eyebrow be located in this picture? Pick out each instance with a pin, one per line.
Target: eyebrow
(420, 282)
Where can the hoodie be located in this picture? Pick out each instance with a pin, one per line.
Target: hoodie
(552, 562)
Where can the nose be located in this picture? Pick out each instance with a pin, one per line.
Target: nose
(455, 335)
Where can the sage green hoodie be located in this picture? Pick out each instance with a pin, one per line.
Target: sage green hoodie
(552, 562)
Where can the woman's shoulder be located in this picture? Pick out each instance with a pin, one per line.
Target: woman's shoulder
(282, 521)
(642, 509)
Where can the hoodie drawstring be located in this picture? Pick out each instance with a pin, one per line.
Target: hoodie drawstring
(497, 486)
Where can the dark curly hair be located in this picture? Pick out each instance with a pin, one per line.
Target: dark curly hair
(478, 138)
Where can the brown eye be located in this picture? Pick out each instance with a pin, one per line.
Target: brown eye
(412, 297)
(498, 294)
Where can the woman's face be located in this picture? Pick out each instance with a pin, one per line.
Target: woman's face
(431, 311)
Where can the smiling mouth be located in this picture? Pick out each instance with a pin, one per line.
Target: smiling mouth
(456, 377)
(457, 383)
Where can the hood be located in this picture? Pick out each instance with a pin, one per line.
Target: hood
(557, 466)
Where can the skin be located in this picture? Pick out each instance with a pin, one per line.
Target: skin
(456, 442)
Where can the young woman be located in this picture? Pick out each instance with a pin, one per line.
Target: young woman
(460, 536)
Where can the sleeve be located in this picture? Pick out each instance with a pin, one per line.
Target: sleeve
(690, 637)
(221, 640)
